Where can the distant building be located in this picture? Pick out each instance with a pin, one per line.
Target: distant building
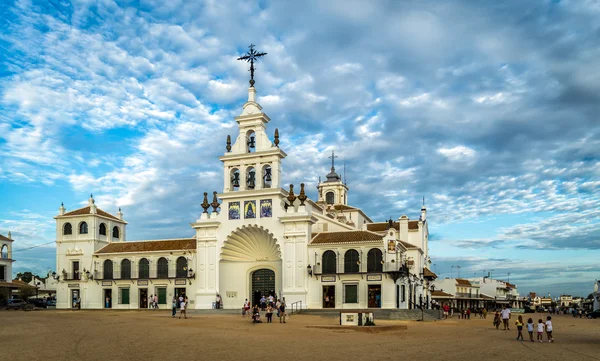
(46, 287)
(596, 295)
(502, 292)
(566, 301)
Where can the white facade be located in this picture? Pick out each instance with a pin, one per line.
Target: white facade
(6, 258)
(596, 295)
(258, 239)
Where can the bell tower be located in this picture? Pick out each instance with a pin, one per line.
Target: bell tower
(333, 191)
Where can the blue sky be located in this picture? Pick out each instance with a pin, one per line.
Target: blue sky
(490, 110)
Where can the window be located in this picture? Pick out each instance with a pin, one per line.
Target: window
(163, 268)
(2, 273)
(108, 270)
(181, 267)
(403, 293)
(102, 229)
(374, 260)
(351, 294)
(4, 252)
(329, 262)
(330, 197)
(83, 228)
(67, 229)
(351, 262)
(125, 269)
(75, 267)
(144, 269)
(124, 296)
(115, 232)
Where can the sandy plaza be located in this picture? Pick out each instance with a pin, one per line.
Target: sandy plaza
(154, 335)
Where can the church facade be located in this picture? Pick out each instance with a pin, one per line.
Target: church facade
(253, 239)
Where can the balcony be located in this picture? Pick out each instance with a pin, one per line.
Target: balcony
(147, 274)
(392, 269)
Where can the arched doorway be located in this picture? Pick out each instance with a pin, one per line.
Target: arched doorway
(262, 284)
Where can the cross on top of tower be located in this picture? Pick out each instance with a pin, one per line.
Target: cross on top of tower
(332, 157)
(251, 56)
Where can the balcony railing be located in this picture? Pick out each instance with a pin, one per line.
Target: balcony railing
(135, 274)
(362, 269)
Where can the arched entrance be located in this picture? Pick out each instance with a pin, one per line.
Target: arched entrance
(250, 266)
(262, 284)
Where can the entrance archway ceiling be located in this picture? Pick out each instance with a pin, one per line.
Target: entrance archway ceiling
(250, 244)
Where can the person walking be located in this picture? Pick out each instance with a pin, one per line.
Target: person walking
(173, 307)
(446, 310)
(282, 312)
(269, 313)
(519, 324)
(497, 320)
(156, 302)
(549, 329)
(530, 329)
(246, 307)
(182, 310)
(505, 317)
(151, 302)
(218, 302)
(540, 330)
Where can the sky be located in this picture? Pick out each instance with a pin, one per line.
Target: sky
(490, 110)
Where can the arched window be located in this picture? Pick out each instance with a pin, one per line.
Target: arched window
(330, 197)
(67, 229)
(125, 269)
(108, 270)
(4, 252)
(251, 141)
(250, 178)
(267, 176)
(329, 262)
(83, 228)
(351, 264)
(115, 232)
(162, 270)
(144, 269)
(102, 229)
(182, 267)
(235, 179)
(374, 260)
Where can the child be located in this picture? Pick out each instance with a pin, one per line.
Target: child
(549, 329)
(519, 324)
(497, 320)
(540, 330)
(530, 329)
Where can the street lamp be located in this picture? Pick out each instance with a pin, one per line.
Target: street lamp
(309, 270)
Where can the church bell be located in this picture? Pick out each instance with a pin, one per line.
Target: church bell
(268, 174)
(251, 144)
(235, 181)
(251, 182)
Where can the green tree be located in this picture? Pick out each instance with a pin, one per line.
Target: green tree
(25, 276)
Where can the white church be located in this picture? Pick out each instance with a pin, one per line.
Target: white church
(256, 238)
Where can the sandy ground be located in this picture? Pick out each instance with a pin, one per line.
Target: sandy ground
(154, 335)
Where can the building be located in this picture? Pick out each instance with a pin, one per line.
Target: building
(257, 240)
(502, 292)
(459, 293)
(6, 261)
(596, 295)
(566, 301)
(45, 287)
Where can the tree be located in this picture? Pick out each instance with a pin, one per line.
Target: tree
(25, 276)
(590, 296)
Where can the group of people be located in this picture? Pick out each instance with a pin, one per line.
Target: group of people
(153, 302)
(542, 327)
(267, 305)
(180, 303)
(465, 313)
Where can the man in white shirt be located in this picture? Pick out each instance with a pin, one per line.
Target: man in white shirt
(505, 317)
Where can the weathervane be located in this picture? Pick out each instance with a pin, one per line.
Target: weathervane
(251, 56)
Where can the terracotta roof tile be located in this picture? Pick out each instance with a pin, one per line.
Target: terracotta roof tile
(382, 226)
(86, 210)
(343, 207)
(428, 273)
(440, 294)
(408, 245)
(149, 246)
(463, 282)
(346, 237)
(5, 238)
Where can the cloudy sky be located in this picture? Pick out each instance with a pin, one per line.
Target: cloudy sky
(490, 110)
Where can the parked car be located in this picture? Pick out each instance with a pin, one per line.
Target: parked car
(595, 314)
(39, 303)
(16, 304)
(51, 303)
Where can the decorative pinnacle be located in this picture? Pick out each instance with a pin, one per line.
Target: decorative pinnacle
(276, 141)
(251, 56)
(302, 197)
(291, 197)
(215, 203)
(205, 205)
(228, 147)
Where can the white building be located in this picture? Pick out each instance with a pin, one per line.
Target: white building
(459, 293)
(6, 262)
(502, 292)
(596, 295)
(258, 239)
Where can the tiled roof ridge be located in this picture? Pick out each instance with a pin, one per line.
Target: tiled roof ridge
(157, 240)
(99, 212)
